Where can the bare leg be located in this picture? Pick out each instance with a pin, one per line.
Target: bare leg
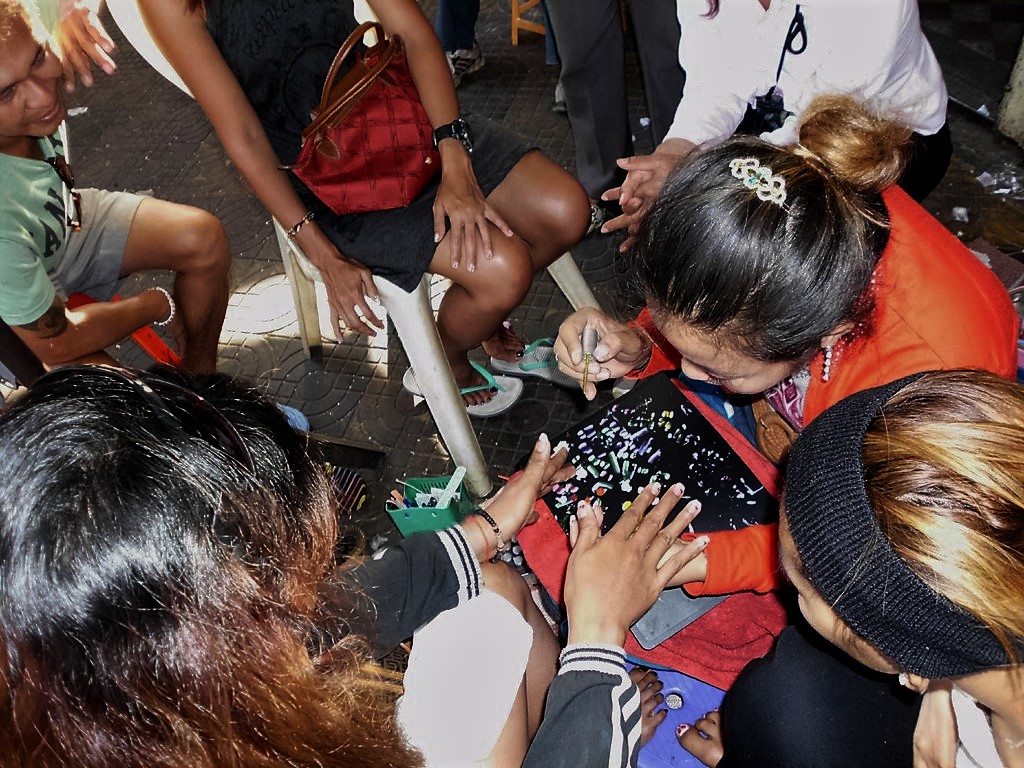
(477, 302)
(549, 212)
(193, 244)
(524, 720)
(544, 205)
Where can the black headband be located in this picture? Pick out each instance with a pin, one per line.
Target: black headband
(850, 561)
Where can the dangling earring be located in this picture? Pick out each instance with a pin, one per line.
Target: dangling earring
(826, 366)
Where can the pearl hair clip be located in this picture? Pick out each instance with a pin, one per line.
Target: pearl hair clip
(759, 179)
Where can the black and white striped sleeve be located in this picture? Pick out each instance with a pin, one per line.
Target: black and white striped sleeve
(592, 716)
(405, 586)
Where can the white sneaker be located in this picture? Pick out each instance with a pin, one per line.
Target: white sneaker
(464, 62)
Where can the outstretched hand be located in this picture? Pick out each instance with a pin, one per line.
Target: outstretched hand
(512, 507)
(83, 41)
(645, 177)
(613, 579)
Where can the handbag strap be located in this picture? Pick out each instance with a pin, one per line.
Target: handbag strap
(382, 53)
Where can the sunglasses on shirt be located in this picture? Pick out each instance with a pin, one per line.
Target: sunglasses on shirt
(63, 169)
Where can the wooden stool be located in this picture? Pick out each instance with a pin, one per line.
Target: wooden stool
(518, 22)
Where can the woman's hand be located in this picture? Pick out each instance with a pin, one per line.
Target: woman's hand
(461, 201)
(349, 283)
(620, 348)
(613, 579)
(935, 735)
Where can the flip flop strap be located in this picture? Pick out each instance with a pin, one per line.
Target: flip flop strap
(549, 363)
(489, 381)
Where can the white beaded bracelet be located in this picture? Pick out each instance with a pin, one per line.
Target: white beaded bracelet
(170, 303)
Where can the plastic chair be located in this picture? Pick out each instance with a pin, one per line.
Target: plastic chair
(519, 7)
(410, 313)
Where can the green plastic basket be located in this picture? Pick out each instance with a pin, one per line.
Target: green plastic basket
(410, 520)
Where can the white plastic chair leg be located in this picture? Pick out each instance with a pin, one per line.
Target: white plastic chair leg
(303, 294)
(414, 321)
(568, 278)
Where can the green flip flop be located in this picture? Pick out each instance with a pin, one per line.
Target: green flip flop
(507, 394)
(538, 360)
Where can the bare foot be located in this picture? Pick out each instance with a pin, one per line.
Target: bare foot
(703, 739)
(505, 344)
(467, 376)
(650, 698)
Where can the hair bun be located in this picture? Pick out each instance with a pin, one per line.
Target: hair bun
(860, 148)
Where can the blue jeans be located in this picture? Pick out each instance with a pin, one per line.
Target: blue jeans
(456, 23)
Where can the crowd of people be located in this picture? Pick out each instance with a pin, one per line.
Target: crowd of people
(178, 585)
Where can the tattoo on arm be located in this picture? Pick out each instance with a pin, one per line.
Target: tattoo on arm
(52, 324)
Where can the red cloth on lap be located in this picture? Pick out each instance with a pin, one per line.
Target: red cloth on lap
(719, 644)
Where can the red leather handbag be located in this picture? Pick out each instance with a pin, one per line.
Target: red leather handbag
(370, 146)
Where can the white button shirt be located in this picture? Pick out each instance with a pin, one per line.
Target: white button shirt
(870, 49)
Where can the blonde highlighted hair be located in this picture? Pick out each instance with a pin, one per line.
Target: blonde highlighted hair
(944, 471)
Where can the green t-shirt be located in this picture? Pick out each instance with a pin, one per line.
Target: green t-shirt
(33, 233)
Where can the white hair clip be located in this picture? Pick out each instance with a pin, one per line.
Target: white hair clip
(759, 179)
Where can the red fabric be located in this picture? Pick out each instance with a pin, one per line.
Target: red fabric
(719, 644)
(145, 337)
(381, 154)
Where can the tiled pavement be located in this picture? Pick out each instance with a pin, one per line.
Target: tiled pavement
(137, 132)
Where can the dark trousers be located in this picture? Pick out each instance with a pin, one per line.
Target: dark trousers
(590, 40)
(456, 23)
(807, 705)
(928, 163)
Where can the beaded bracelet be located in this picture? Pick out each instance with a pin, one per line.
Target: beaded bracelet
(170, 302)
(294, 231)
(501, 545)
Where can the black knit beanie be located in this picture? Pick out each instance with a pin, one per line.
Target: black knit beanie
(848, 559)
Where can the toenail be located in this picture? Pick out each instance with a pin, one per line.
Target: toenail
(493, 390)
(681, 729)
(519, 353)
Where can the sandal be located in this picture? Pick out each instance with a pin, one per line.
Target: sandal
(538, 360)
(508, 392)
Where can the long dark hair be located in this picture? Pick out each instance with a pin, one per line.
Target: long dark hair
(775, 278)
(157, 590)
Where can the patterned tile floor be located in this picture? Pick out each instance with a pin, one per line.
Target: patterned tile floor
(137, 132)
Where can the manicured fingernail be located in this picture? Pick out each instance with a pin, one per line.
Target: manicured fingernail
(573, 525)
(471, 267)
(582, 509)
(677, 489)
(655, 488)
(681, 729)
(437, 238)
(543, 440)
(702, 541)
